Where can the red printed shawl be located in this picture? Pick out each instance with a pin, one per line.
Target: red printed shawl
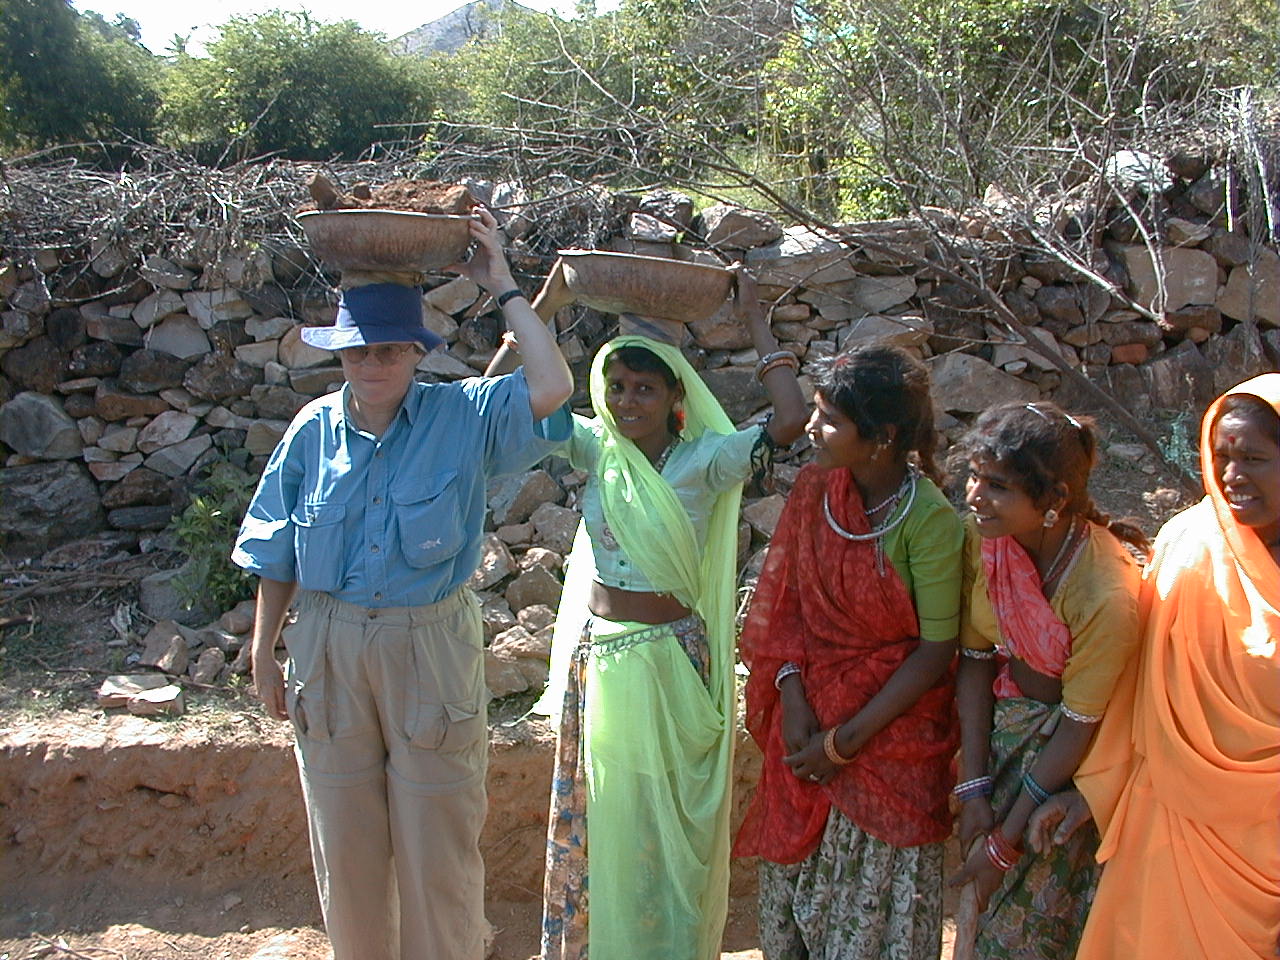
(822, 604)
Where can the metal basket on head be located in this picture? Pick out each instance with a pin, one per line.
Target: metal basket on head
(648, 286)
(390, 240)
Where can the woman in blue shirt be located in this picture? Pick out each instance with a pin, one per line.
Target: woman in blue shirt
(372, 506)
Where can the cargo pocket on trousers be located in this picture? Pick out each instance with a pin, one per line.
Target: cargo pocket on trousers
(304, 686)
(448, 727)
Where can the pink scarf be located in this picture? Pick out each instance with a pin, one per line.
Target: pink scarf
(1031, 631)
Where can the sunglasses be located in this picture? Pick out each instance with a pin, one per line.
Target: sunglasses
(380, 353)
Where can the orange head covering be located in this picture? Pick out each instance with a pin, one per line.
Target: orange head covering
(1184, 777)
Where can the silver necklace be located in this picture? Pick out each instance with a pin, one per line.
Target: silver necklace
(896, 517)
(1063, 555)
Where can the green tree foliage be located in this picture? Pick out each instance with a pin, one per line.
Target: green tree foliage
(888, 103)
(618, 94)
(283, 82)
(68, 77)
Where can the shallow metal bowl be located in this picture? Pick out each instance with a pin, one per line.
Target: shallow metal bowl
(386, 239)
(649, 286)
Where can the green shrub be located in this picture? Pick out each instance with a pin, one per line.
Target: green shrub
(206, 529)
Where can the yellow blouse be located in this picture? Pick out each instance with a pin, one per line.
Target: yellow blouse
(1097, 599)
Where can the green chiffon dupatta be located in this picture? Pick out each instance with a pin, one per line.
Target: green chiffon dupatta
(658, 744)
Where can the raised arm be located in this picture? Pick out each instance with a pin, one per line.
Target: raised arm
(778, 370)
(550, 382)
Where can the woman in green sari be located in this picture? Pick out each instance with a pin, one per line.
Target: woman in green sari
(644, 653)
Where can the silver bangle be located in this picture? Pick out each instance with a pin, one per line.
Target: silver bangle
(788, 669)
(1079, 717)
(978, 654)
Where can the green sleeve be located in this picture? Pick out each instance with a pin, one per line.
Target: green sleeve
(927, 551)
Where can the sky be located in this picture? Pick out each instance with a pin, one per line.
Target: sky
(161, 19)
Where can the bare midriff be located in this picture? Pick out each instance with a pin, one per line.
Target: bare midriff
(1033, 683)
(614, 603)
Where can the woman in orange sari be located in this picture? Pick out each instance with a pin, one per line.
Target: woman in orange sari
(1184, 778)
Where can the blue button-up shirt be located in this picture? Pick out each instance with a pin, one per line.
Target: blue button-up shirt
(396, 520)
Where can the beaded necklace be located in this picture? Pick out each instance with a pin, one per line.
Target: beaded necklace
(907, 489)
(665, 455)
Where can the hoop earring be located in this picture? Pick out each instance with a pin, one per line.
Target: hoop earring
(1050, 517)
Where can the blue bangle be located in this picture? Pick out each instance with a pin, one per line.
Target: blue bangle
(1038, 793)
(504, 298)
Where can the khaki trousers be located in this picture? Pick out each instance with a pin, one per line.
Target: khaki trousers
(388, 706)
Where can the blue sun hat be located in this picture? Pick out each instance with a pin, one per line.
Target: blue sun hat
(375, 313)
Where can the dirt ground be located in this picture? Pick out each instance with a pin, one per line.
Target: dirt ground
(185, 838)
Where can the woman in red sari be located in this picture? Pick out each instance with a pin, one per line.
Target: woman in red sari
(850, 641)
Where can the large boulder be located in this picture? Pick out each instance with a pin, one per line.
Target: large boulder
(725, 225)
(963, 383)
(738, 391)
(36, 365)
(35, 425)
(556, 526)
(97, 359)
(804, 257)
(1179, 379)
(905, 331)
(721, 331)
(161, 597)
(180, 336)
(170, 427)
(219, 376)
(110, 402)
(150, 371)
(46, 504)
(1254, 290)
(1184, 276)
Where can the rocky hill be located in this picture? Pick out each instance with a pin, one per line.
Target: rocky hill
(452, 31)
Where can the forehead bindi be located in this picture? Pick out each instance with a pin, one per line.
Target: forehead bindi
(1237, 433)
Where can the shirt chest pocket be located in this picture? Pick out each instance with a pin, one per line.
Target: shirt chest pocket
(429, 518)
(318, 544)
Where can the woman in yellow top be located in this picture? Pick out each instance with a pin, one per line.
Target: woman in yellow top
(1184, 779)
(1048, 622)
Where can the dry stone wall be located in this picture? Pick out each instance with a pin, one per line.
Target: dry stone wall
(122, 376)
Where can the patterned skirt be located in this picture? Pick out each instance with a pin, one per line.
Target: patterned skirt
(634, 711)
(1039, 911)
(854, 898)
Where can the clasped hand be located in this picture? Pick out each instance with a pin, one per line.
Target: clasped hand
(802, 736)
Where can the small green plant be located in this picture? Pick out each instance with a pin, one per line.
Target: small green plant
(1177, 445)
(206, 530)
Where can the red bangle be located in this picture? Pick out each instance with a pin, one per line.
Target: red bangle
(1002, 854)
